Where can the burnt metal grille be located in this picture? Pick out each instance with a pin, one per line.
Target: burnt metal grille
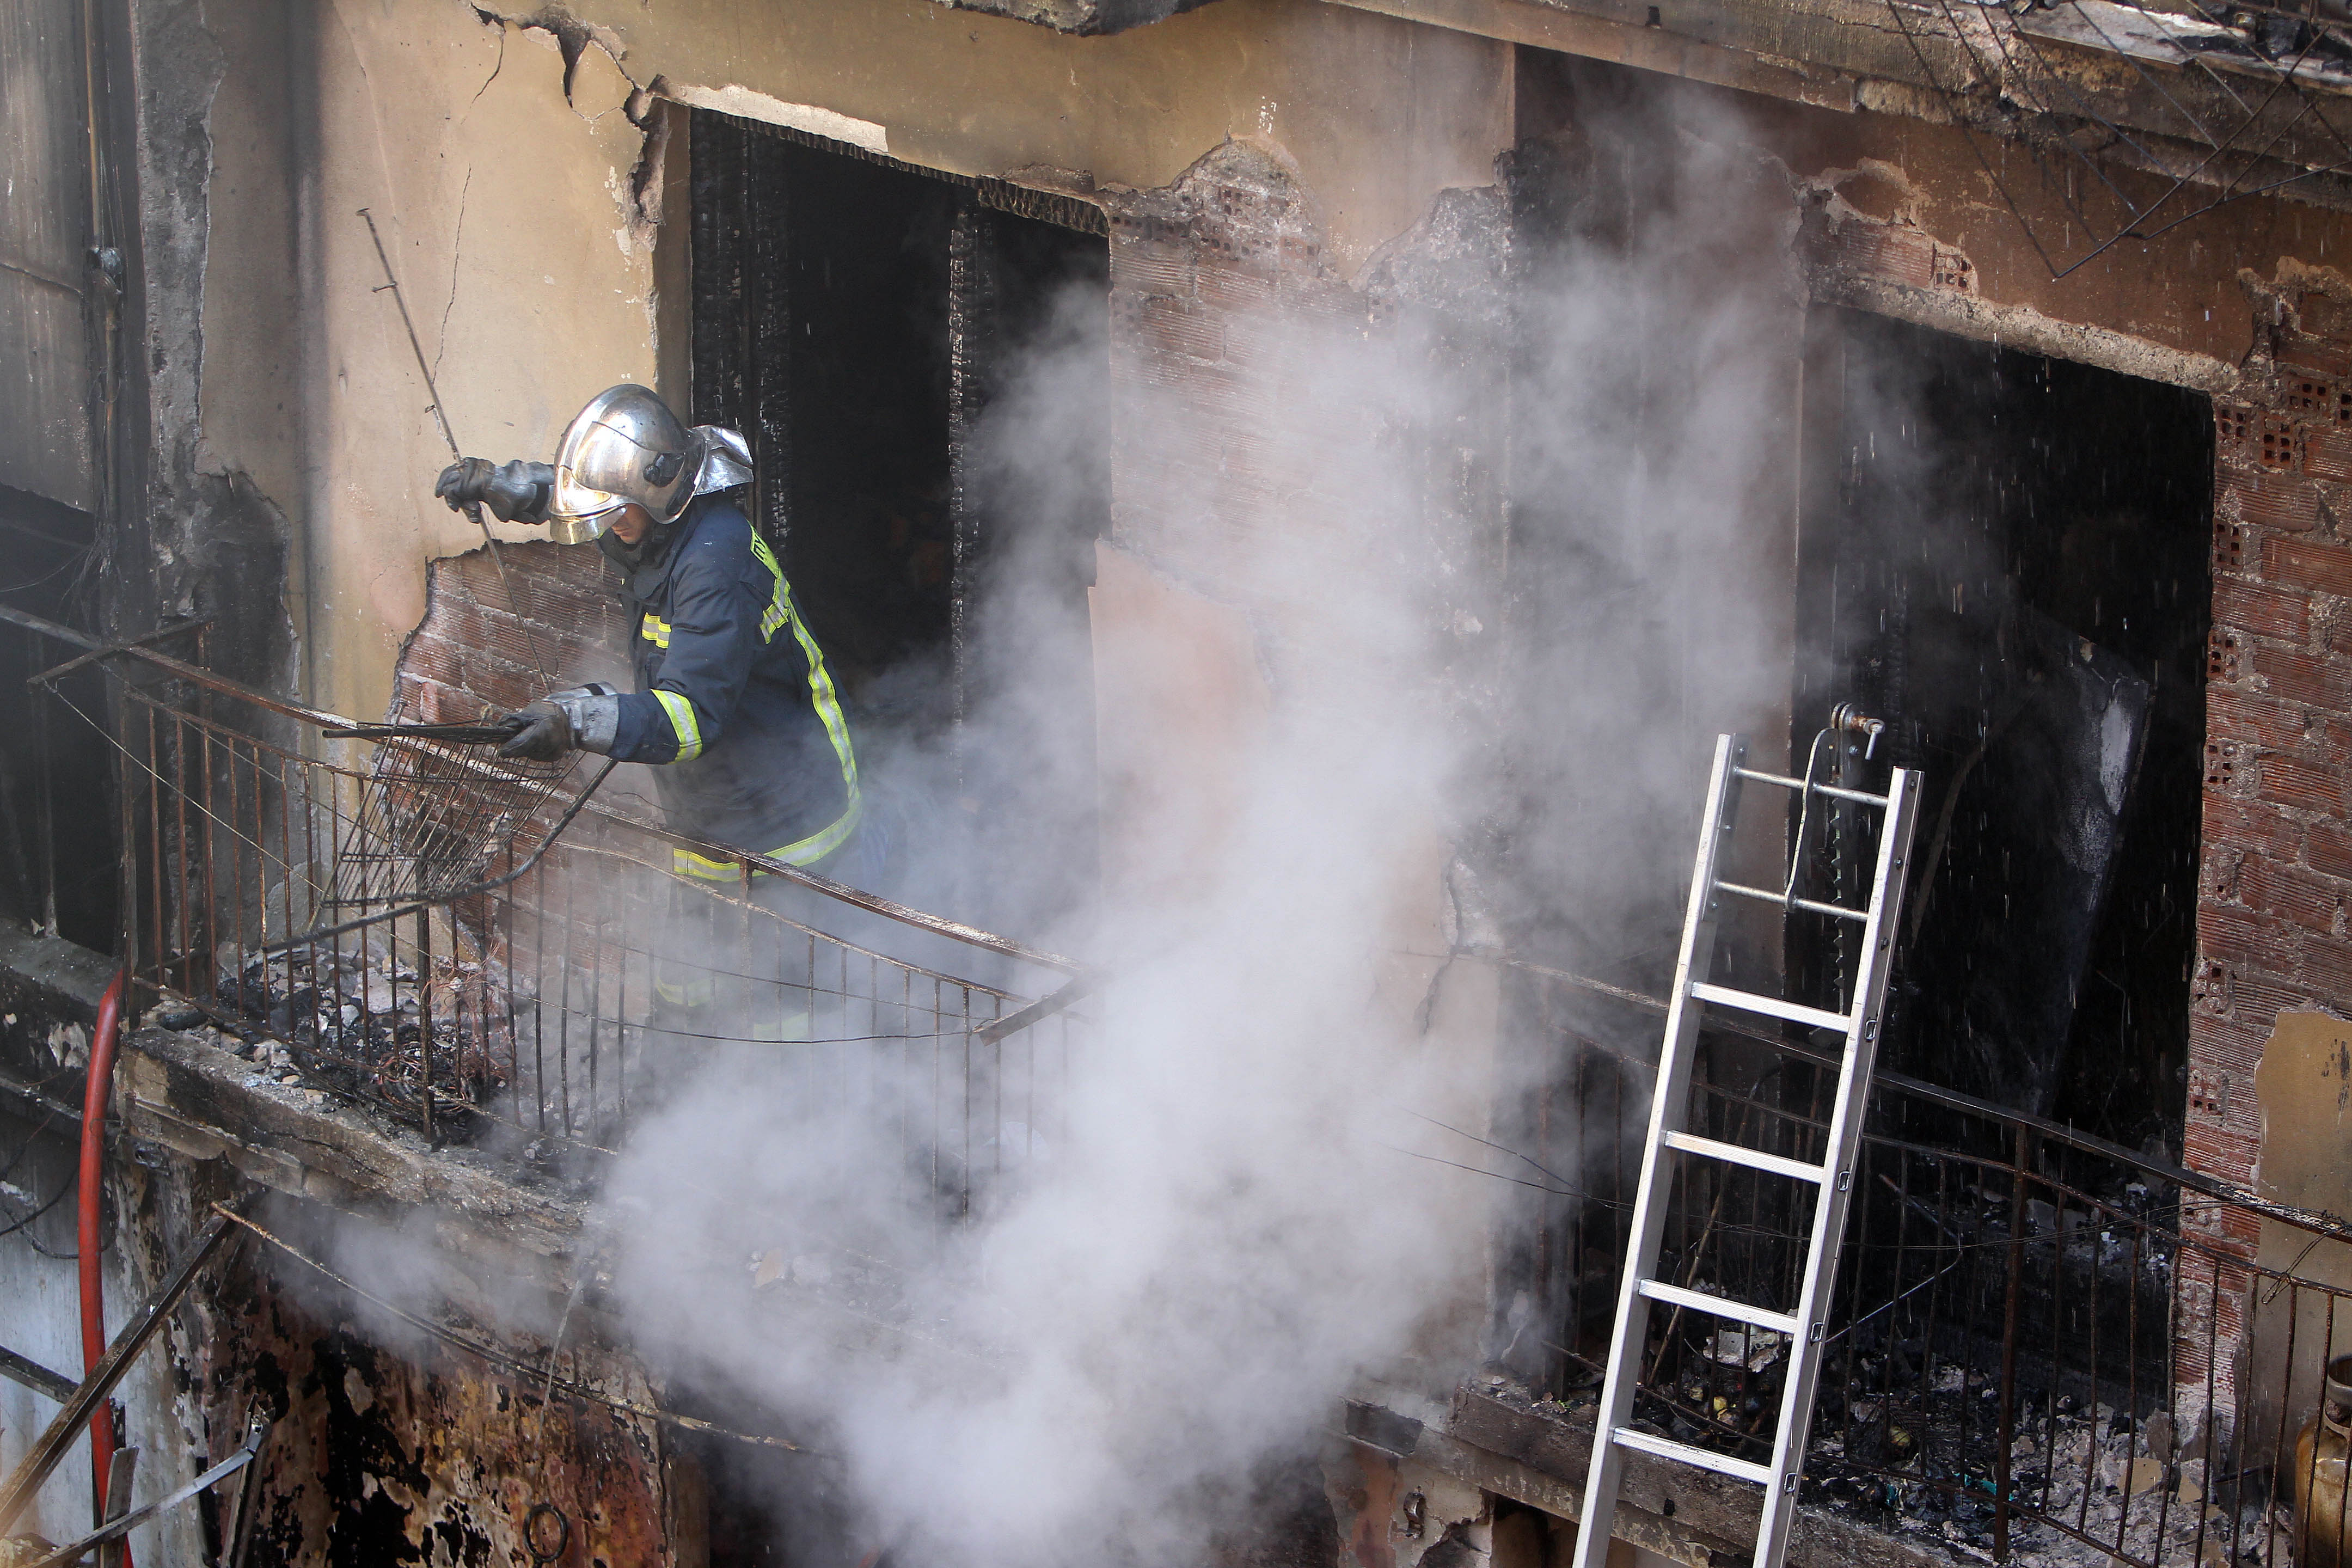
(404, 924)
(2025, 1353)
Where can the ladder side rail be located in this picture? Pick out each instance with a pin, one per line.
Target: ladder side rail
(1844, 1142)
(1669, 1105)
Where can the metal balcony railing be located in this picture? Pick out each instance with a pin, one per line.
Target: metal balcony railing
(2044, 1347)
(479, 950)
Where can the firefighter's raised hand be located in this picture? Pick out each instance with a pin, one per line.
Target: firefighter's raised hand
(545, 736)
(515, 492)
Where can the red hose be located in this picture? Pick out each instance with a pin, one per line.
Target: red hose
(94, 1098)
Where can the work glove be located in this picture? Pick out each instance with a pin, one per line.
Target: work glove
(545, 735)
(579, 719)
(515, 492)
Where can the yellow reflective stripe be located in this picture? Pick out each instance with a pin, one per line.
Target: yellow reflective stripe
(826, 700)
(682, 719)
(687, 863)
(823, 842)
(780, 609)
(655, 630)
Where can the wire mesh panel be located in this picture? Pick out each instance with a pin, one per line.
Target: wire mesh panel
(432, 818)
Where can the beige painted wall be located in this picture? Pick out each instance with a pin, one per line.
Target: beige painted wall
(506, 212)
(1380, 114)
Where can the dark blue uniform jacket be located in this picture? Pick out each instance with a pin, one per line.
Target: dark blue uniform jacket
(732, 695)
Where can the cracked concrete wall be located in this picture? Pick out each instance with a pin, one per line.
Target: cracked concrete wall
(503, 167)
(497, 172)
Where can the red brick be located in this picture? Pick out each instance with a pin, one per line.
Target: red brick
(2217, 1152)
(2279, 500)
(2225, 760)
(1236, 289)
(1152, 266)
(1168, 325)
(2251, 825)
(2232, 541)
(2306, 783)
(2225, 656)
(2321, 680)
(2237, 937)
(2329, 455)
(2308, 563)
(2311, 902)
(2258, 999)
(2328, 848)
(2320, 357)
(2268, 611)
(2266, 721)
(2325, 965)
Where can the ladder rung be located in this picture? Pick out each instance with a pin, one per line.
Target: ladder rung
(1718, 1307)
(1770, 1006)
(1811, 906)
(1684, 1454)
(1754, 1159)
(1830, 790)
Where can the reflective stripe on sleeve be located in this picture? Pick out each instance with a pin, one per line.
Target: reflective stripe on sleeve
(682, 720)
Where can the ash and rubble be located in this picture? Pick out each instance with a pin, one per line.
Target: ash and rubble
(364, 1025)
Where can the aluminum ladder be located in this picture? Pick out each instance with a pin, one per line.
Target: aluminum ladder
(1832, 1181)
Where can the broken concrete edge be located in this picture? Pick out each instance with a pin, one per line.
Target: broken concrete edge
(201, 1102)
(2028, 329)
(1536, 1452)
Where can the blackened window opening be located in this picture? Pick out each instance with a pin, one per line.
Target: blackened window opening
(2006, 557)
(867, 325)
(61, 853)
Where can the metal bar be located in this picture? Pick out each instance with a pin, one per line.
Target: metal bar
(51, 1386)
(123, 1524)
(2003, 1437)
(119, 1469)
(1669, 1104)
(66, 1428)
(1771, 1007)
(1832, 791)
(1754, 1159)
(161, 634)
(1718, 1306)
(1844, 1140)
(1684, 1454)
(1811, 906)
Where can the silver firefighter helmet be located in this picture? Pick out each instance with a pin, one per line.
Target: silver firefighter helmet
(627, 446)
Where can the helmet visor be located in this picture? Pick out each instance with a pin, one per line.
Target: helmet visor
(582, 505)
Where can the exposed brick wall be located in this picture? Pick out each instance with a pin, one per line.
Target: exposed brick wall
(477, 649)
(2277, 858)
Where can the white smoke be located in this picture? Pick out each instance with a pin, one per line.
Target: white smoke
(1210, 1225)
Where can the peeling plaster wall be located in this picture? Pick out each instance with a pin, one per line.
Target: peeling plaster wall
(506, 212)
(1379, 114)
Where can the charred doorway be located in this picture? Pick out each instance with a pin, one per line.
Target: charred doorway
(2006, 558)
(921, 362)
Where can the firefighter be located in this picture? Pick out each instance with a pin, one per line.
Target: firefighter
(733, 703)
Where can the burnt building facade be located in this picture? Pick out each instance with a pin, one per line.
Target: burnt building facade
(1140, 393)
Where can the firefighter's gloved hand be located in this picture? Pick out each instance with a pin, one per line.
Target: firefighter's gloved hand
(515, 492)
(578, 718)
(545, 735)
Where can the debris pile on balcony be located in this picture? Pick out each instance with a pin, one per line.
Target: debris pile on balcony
(370, 1025)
